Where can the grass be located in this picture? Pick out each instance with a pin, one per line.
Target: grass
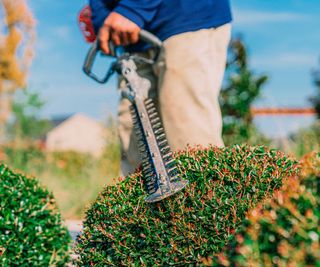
(304, 141)
(74, 178)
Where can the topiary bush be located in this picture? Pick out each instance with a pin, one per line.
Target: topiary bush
(31, 233)
(120, 229)
(283, 231)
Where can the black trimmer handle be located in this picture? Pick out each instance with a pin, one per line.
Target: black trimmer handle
(145, 36)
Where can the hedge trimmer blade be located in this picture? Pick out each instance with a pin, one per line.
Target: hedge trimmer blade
(159, 168)
(158, 165)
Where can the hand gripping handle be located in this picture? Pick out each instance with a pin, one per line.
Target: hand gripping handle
(145, 36)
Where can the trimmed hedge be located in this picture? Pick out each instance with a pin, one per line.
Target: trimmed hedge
(31, 233)
(122, 230)
(283, 231)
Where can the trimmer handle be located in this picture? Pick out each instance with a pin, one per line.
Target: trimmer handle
(145, 36)
(151, 39)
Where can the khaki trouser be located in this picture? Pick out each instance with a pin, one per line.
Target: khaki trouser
(186, 92)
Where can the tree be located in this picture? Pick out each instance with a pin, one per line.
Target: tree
(242, 88)
(26, 126)
(315, 100)
(16, 46)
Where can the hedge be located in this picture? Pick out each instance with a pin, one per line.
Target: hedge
(283, 231)
(120, 229)
(31, 233)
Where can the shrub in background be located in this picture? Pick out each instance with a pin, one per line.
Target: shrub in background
(305, 140)
(236, 132)
(29, 157)
(31, 233)
(284, 231)
(241, 89)
(75, 178)
(120, 229)
(71, 164)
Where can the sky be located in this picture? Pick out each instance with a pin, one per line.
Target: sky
(282, 38)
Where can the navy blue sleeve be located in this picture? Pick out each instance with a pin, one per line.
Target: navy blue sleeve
(140, 12)
(100, 11)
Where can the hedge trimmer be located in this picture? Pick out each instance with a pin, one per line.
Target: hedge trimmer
(159, 168)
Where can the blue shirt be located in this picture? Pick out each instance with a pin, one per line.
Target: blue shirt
(165, 18)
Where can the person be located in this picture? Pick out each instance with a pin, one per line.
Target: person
(195, 35)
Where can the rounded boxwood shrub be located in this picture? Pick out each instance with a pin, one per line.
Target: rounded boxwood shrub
(121, 229)
(31, 233)
(283, 231)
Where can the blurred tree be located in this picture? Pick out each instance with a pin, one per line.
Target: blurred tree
(25, 125)
(315, 100)
(242, 87)
(16, 47)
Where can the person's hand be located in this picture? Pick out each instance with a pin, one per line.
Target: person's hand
(119, 30)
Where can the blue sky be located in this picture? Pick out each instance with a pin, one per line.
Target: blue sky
(282, 37)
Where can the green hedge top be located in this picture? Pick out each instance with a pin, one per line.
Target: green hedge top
(284, 230)
(122, 230)
(31, 233)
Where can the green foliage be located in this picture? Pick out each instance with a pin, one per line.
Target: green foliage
(238, 133)
(27, 158)
(75, 178)
(70, 163)
(121, 229)
(285, 230)
(31, 233)
(242, 88)
(26, 124)
(305, 140)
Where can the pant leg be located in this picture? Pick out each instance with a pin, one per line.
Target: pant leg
(130, 157)
(190, 84)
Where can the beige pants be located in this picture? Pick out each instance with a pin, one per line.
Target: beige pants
(186, 92)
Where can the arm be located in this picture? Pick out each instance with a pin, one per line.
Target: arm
(139, 12)
(100, 11)
(123, 24)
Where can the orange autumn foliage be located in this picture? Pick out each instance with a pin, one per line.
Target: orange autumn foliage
(17, 34)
